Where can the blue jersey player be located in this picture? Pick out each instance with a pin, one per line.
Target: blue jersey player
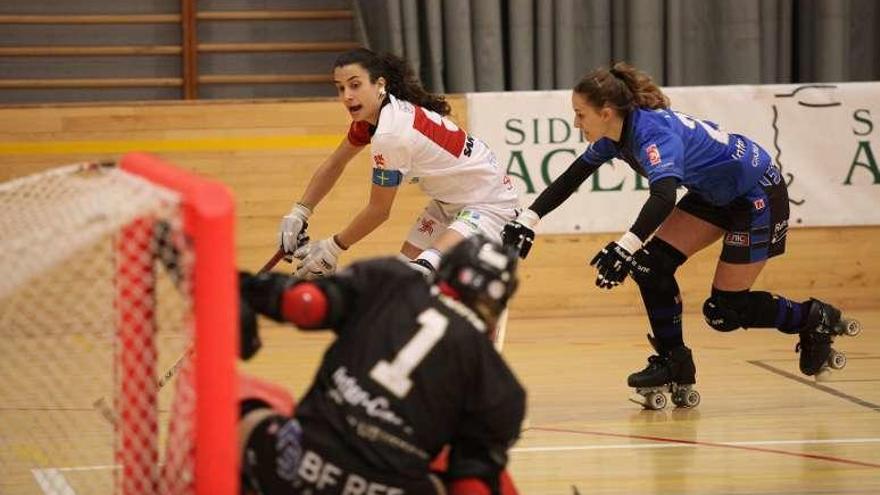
(735, 193)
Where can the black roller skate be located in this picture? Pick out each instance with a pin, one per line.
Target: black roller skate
(824, 322)
(669, 371)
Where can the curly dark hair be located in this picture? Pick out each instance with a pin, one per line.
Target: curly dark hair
(400, 78)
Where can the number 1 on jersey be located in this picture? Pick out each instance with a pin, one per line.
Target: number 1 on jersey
(395, 375)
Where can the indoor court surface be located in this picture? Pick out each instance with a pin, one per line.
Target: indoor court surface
(761, 428)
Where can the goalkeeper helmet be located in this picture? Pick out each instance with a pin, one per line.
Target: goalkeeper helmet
(481, 274)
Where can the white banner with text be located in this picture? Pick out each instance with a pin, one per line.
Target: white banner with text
(823, 137)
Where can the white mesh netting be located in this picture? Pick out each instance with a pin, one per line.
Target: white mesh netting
(95, 335)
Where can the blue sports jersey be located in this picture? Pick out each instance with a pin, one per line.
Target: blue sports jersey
(664, 143)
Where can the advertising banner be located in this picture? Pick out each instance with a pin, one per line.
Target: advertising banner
(824, 137)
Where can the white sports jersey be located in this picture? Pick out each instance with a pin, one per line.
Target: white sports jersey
(448, 164)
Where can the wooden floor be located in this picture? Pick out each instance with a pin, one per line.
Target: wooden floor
(761, 428)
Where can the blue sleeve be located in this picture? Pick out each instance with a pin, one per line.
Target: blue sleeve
(599, 152)
(661, 154)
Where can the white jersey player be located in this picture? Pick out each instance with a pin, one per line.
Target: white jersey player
(411, 141)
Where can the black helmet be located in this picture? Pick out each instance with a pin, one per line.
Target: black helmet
(482, 273)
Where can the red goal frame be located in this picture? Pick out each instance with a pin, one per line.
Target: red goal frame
(209, 224)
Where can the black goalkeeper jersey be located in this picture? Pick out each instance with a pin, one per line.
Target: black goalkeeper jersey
(410, 372)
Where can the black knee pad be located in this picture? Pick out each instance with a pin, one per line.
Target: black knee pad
(662, 260)
(727, 311)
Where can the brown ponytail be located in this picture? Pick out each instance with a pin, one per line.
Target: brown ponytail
(401, 80)
(621, 87)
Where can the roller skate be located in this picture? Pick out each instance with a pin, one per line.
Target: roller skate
(669, 371)
(824, 322)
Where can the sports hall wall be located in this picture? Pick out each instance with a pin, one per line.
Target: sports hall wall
(265, 151)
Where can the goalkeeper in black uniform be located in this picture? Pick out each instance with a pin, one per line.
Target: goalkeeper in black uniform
(412, 371)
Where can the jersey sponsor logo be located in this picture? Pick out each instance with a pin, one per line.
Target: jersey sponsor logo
(779, 232)
(426, 226)
(375, 434)
(348, 390)
(653, 154)
(468, 146)
(759, 204)
(387, 178)
(379, 160)
(288, 444)
(739, 239)
(740, 149)
(470, 217)
(323, 474)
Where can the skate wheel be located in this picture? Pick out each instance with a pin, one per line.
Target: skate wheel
(686, 398)
(851, 327)
(837, 360)
(655, 401)
(691, 399)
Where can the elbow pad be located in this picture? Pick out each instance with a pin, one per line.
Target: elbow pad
(313, 304)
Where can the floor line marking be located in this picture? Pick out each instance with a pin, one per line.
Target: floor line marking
(711, 444)
(635, 446)
(563, 448)
(52, 482)
(817, 386)
(89, 468)
(196, 143)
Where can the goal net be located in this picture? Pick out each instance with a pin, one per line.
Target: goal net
(117, 332)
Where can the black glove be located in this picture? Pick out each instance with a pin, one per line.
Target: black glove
(518, 236)
(640, 267)
(612, 263)
(249, 338)
(263, 292)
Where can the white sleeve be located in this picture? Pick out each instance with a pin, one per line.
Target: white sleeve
(390, 153)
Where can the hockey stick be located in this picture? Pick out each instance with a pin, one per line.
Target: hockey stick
(272, 261)
(301, 240)
(500, 331)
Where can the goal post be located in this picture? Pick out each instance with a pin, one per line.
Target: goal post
(118, 331)
(209, 223)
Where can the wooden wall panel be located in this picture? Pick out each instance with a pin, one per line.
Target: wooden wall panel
(266, 152)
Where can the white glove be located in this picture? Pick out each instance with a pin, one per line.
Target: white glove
(427, 263)
(318, 259)
(292, 226)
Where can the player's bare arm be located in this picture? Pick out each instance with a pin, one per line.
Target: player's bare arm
(328, 173)
(374, 214)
